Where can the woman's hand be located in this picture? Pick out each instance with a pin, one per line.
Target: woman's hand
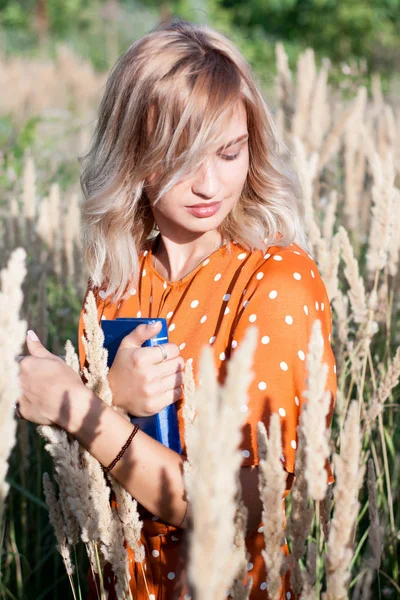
(48, 385)
(141, 383)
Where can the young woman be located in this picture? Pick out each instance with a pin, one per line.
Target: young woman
(191, 214)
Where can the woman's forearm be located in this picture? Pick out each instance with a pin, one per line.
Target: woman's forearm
(148, 470)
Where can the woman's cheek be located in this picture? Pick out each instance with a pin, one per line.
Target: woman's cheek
(238, 175)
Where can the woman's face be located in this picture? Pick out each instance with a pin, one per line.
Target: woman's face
(219, 179)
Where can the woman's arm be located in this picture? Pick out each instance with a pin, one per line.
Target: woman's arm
(148, 470)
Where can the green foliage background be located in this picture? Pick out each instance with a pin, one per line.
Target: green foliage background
(343, 30)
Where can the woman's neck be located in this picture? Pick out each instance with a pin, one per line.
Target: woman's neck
(170, 260)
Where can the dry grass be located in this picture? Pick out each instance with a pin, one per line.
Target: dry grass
(348, 160)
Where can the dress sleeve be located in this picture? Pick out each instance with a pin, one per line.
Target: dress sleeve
(283, 298)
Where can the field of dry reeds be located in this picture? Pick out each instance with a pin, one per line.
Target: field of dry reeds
(55, 515)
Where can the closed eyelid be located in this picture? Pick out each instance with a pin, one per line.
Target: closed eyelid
(234, 149)
(233, 143)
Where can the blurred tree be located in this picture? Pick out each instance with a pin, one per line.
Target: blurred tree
(41, 20)
(343, 30)
(340, 29)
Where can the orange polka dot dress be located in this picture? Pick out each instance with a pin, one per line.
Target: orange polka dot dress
(282, 293)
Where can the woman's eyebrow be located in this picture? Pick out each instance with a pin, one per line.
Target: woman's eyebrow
(233, 142)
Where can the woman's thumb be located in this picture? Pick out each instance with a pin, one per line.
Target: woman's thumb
(142, 333)
(150, 329)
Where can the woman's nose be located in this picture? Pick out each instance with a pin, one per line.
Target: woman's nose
(206, 182)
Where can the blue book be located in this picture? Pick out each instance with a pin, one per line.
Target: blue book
(163, 426)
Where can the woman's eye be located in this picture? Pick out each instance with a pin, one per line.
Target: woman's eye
(229, 156)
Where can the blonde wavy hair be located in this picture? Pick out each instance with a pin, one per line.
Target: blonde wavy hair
(164, 107)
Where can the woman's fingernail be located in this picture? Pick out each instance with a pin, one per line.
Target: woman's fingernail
(32, 336)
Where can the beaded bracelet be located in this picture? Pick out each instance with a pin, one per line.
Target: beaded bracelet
(124, 447)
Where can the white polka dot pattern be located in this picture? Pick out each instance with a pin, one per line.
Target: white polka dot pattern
(281, 293)
(284, 302)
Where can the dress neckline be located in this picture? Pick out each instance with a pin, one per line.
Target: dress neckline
(149, 263)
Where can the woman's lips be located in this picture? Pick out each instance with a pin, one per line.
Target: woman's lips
(205, 210)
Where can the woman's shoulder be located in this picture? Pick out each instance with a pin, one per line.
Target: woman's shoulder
(292, 253)
(290, 269)
(283, 259)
